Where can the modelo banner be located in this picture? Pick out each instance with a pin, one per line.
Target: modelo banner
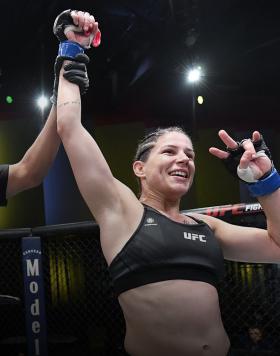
(35, 315)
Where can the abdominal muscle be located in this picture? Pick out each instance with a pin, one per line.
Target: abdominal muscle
(175, 317)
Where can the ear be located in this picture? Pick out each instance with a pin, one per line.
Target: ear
(139, 168)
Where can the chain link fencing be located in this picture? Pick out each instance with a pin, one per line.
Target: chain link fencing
(83, 315)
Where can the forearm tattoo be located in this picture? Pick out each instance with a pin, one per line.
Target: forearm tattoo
(77, 102)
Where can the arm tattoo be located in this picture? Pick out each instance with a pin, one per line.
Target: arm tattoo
(70, 102)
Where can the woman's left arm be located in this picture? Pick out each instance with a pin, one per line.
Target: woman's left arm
(271, 206)
(251, 162)
(242, 243)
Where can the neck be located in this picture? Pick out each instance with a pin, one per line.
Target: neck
(171, 208)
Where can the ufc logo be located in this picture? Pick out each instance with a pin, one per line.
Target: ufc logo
(194, 237)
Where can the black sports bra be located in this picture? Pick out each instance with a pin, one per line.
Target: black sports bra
(162, 249)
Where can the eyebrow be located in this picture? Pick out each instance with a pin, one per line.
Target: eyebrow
(174, 146)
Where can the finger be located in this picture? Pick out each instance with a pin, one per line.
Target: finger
(249, 146)
(245, 159)
(86, 22)
(81, 19)
(75, 65)
(92, 30)
(256, 136)
(74, 74)
(82, 58)
(95, 28)
(92, 21)
(74, 15)
(227, 140)
(248, 155)
(97, 37)
(218, 153)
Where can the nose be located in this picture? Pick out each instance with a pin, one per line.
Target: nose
(182, 157)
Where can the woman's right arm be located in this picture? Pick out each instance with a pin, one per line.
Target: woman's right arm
(101, 191)
(108, 199)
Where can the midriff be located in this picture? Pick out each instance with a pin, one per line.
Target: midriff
(178, 317)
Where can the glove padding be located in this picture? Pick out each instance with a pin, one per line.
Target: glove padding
(64, 23)
(75, 72)
(233, 160)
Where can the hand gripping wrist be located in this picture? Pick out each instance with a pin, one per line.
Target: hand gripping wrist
(266, 185)
(75, 72)
(71, 51)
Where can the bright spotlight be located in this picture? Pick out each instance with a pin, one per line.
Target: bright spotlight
(200, 99)
(42, 102)
(194, 75)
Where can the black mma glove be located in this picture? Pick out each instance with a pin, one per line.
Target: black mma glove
(64, 20)
(64, 23)
(233, 160)
(75, 72)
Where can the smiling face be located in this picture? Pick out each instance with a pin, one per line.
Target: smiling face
(169, 168)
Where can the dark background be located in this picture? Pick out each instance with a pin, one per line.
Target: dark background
(146, 48)
(138, 79)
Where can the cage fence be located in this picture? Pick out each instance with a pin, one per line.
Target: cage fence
(83, 316)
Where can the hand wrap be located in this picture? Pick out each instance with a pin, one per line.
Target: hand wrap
(267, 184)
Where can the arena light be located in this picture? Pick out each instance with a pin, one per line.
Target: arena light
(9, 99)
(42, 102)
(194, 75)
(200, 99)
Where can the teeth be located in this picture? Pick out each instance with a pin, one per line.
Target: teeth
(179, 173)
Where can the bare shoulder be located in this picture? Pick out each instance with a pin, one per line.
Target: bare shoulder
(209, 220)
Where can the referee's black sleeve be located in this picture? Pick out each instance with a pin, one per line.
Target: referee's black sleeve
(4, 173)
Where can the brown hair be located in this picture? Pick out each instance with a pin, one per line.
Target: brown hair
(149, 141)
